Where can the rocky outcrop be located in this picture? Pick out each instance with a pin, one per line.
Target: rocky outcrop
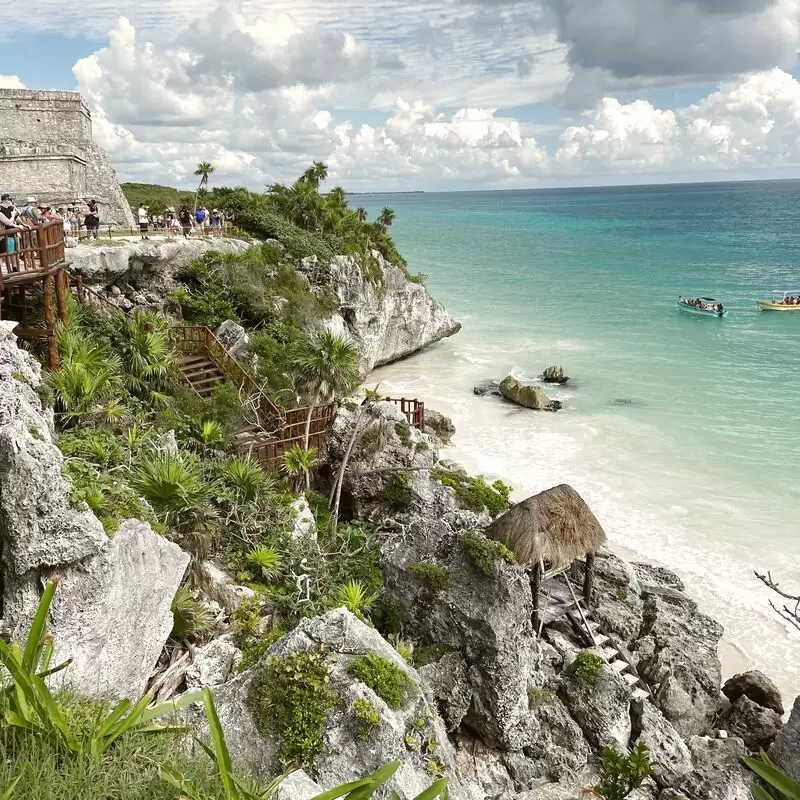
(785, 752)
(756, 686)
(235, 339)
(755, 725)
(527, 395)
(388, 316)
(439, 426)
(717, 771)
(111, 612)
(143, 270)
(401, 734)
(555, 375)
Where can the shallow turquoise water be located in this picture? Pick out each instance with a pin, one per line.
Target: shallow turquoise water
(700, 467)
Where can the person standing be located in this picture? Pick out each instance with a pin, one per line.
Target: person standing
(186, 219)
(8, 220)
(92, 219)
(144, 221)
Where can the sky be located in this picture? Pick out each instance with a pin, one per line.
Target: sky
(400, 95)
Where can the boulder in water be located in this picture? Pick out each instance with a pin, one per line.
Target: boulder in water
(487, 389)
(554, 375)
(527, 395)
(756, 686)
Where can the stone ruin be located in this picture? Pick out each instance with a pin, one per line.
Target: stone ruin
(46, 150)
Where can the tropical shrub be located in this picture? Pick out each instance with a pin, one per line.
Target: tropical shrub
(354, 596)
(265, 562)
(171, 483)
(586, 671)
(396, 494)
(191, 618)
(391, 683)
(622, 774)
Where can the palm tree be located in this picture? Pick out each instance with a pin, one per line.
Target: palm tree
(204, 169)
(325, 365)
(315, 174)
(386, 218)
(297, 465)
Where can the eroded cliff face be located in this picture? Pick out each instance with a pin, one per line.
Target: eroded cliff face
(389, 317)
(112, 610)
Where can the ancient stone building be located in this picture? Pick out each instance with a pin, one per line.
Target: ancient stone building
(46, 150)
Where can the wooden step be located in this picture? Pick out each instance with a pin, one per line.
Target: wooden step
(610, 653)
(619, 666)
(630, 678)
(640, 694)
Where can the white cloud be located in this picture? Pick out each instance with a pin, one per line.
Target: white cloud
(244, 100)
(11, 82)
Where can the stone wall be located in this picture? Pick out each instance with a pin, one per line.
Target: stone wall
(46, 150)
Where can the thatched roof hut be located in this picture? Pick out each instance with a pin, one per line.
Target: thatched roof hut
(555, 526)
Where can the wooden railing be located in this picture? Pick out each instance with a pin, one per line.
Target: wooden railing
(200, 339)
(36, 252)
(89, 296)
(414, 410)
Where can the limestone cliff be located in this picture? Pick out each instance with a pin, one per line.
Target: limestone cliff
(112, 612)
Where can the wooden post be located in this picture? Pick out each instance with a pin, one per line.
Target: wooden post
(50, 321)
(588, 578)
(61, 296)
(536, 587)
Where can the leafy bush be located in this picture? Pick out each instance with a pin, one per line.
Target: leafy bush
(474, 493)
(391, 683)
(292, 696)
(586, 671)
(619, 774)
(101, 445)
(485, 553)
(431, 576)
(396, 494)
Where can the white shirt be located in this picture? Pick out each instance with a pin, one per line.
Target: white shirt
(143, 216)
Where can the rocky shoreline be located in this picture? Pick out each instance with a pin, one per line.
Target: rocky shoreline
(457, 682)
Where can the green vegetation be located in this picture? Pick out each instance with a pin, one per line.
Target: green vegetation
(292, 696)
(586, 671)
(384, 677)
(540, 697)
(18, 376)
(396, 494)
(354, 596)
(430, 654)
(474, 493)
(621, 774)
(485, 553)
(403, 431)
(368, 716)
(157, 198)
(36, 433)
(432, 576)
(191, 618)
(786, 787)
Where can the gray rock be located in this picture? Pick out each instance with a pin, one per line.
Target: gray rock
(167, 443)
(439, 426)
(217, 586)
(347, 757)
(755, 725)
(669, 754)
(153, 265)
(275, 243)
(617, 598)
(654, 575)
(233, 337)
(481, 769)
(557, 746)
(757, 687)
(297, 785)
(487, 389)
(388, 320)
(213, 664)
(527, 395)
(447, 683)
(785, 751)
(554, 375)
(112, 612)
(602, 711)
(677, 655)
(718, 773)
(304, 524)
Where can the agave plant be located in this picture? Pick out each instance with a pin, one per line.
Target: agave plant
(774, 778)
(265, 560)
(354, 597)
(297, 465)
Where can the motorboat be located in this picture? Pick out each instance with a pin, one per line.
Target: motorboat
(781, 301)
(702, 306)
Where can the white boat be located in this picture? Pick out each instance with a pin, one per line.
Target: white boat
(778, 301)
(702, 306)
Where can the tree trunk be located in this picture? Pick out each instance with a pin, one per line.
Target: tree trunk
(336, 491)
(307, 435)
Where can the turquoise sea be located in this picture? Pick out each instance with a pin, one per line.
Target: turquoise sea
(681, 432)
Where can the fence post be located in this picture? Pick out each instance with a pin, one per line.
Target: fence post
(50, 322)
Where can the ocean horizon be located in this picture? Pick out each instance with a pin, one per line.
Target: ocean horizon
(678, 430)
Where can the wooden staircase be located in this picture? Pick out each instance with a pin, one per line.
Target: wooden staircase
(200, 372)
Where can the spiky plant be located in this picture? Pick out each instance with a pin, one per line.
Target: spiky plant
(355, 597)
(209, 433)
(247, 479)
(191, 619)
(143, 342)
(265, 561)
(171, 483)
(297, 465)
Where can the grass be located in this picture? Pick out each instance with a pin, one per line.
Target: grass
(391, 683)
(396, 494)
